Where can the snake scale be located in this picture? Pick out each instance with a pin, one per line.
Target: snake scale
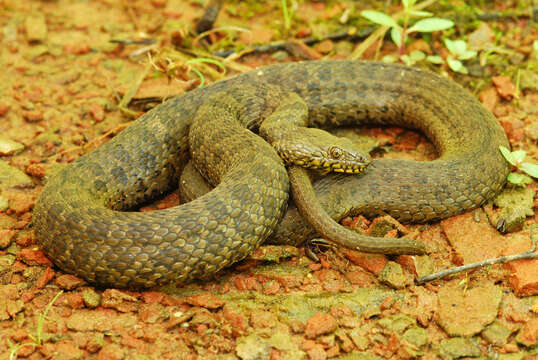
(80, 220)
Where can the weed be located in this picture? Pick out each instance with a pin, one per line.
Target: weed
(38, 338)
(399, 33)
(287, 16)
(516, 159)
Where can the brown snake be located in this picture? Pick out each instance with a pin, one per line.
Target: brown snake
(80, 225)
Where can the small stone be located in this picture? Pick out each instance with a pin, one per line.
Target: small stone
(397, 323)
(472, 237)
(9, 147)
(111, 352)
(531, 130)
(528, 80)
(523, 279)
(13, 177)
(466, 312)
(6, 236)
(4, 204)
(374, 263)
(36, 28)
(6, 261)
(205, 300)
(252, 347)
(359, 338)
(119, 300)
(320, 324)
(505, 86)
(516, 204)
(459, 347)
(496, 334)
(416, 336)
(3, 108)
(280, 55)
(325, 47)
(33, 257)
(382, 225)
(528, 335)
(394, 276)
(95, 342)
(69, 282)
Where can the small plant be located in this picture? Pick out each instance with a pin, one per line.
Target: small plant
(38, 338)
(198, 72)
(399, 33)
(458, 51)
(287, 16)
(516, 159)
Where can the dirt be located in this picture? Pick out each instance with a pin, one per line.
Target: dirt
(60, 95)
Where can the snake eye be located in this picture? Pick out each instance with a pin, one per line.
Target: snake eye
(335, 152)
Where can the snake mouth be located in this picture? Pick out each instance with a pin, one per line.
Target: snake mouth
(347, 167)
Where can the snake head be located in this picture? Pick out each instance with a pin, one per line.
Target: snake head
(316, 149)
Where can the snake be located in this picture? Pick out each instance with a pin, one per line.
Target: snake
(82, 220)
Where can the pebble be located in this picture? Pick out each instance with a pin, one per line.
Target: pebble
(8, 146)
(12, 177)
(35, 28)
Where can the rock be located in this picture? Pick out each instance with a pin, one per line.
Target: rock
(6, 236)
(374, 263)
(496, 334)
(523, 279)
(397, 323)
(205, 300)
(394, 276)
(274, 253)
(416, 336)
(4, 204)
(8, 146)
(516, 204)
(531, 130)
(69, 282)
(35, 28)
(320, 324)
(459, 347)
(528, 80)
(528, 335)
(472, 237)
(466, 312)
(13, 177)
(252, 347)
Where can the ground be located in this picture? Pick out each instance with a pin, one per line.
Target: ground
(64, 91)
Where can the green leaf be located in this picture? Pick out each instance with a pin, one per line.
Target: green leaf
(419, 13)
(519, 156)
(396, 36)
(530, 169)
(469, 54)
(435, 59)
(389, 59)
(456, 66)
(518, 179)
(456, 47)
(417, 55)
(432, 24)
(379, 18)
(507, 154)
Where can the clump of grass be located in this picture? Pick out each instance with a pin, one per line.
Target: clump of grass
(38, 338)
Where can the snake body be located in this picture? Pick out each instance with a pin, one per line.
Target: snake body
(80, 220)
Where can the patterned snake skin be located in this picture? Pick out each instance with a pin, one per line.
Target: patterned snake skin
(82, 225)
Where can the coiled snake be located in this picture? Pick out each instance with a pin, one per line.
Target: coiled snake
(80, 225)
